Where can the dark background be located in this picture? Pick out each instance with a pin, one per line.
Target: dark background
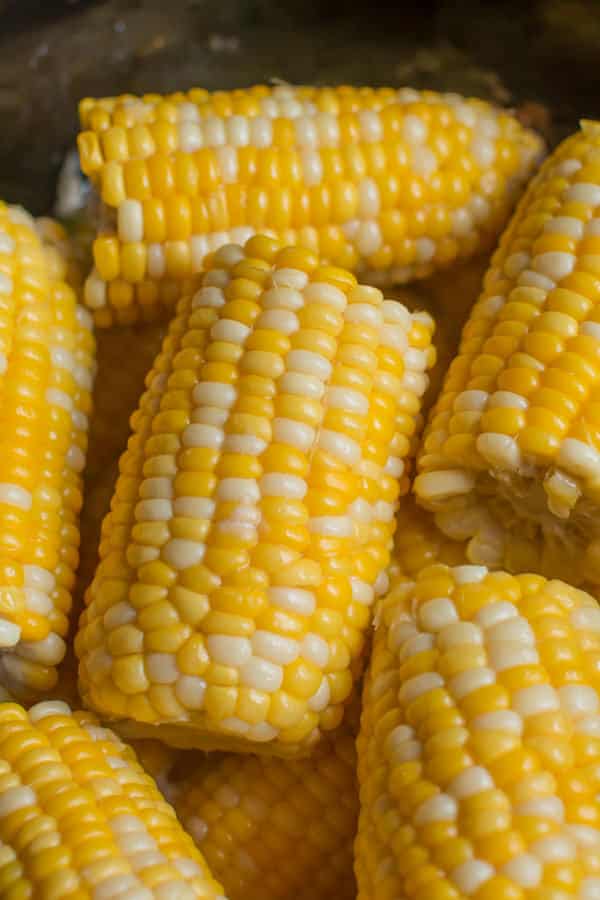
(541, 56)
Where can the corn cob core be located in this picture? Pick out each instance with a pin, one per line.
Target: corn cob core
(80, 819)
(46, 368)
(273, 829)
(254, 511)
(390, 183)
(478, 751)
(511, 455)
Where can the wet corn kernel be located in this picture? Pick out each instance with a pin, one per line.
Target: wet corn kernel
(393, 184)
(46, 373)
(272, 828)
(80, 818)
(511, 453)
(254, 512)
(472, 773)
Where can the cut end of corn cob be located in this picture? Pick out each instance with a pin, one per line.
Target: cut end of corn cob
(46, 374)
(478, 754)
(80, 820)
(393, 184)
(254, 513)
(511, 455)
(271, 829)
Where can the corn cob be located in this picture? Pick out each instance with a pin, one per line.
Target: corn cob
(254, 511)
(419, 543)
(274, 829)
(79, 819)
(46, 367)
(478, 754)
(511, 458)
(389, 183)
(65, 257)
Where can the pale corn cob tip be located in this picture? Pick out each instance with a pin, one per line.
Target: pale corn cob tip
(272, 829)
(46, 373)
(254, 513)
(478, 754)
(393, 184)
(510, 459)
(80, 820)
(419, 543)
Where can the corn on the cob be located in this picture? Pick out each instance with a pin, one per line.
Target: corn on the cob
(511, 456)
(274, 829)
(254, 511)
(46, 368)
(80, 820)
(390, 183)
(478, 754)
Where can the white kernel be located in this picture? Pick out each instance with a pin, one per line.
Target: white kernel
(274, 648)
(261, 131)
(529, 278)
(296, 600)
(471, 680)
(229, 330)
(293, 279)
(395, 336)
(578, 700)
(321, 698)
(515, 264)
(323, 293)
(280, 320)
(214, 393)
(423, 161)
(440, 485)
(590, 328)
(462, 222)
(469, 401)
(555, 264)
(371, 129)
(332, 526)
(507, 399)
(161, 668)
(296, 434)
(194, 507)
(416, 644)
(238, 131)
(501, 720)
(238, 490)
(589, 889)
(155, 510)
(315, 650)
(14, 495)
(535, 700)
(439, 808)
(157, 261)
(567, 167)
(302, 385)
(525, 870)
(586, 618)
(578, 458)
(369, 201)
(117, 615)
(414, 129)
(584, 835)
(500, 450)
(583, 192)
(308, 363)
(466, 115)
(202, 436)
(214, 131)
(470, 875)
(57, 397)
(214, 416)
(425, 249)
(261, 675)
(15, 798)
(6, 284)
(516, 629)
(566, 225)
(209, 296)
(554, 849)
(282, 297)
(229, 650)
(437, 614)
(261, 733)
(182, 554)
(159, 488)
(497, 611)
(419, 685)
(75, 458)
(474, 780)
(306, 132)
(469, 574)
(543, 808)
(36, 577)
(130, 221)
(190, 136)
(368, 238)
(329, 129)
(279, 484)
(364, 314)
(459, 633)
(339, 445)
(362, 592)
(484, 152)
(246, 444)
(7, 245)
